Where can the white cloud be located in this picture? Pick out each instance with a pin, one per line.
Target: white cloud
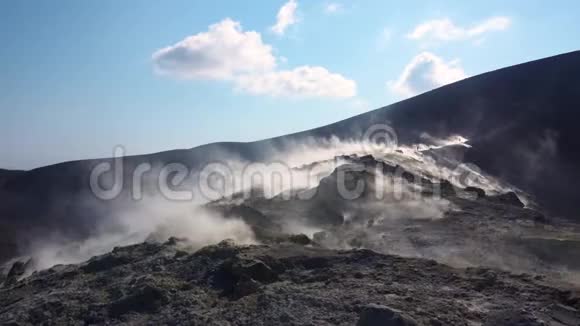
(222, 52)
(286, 17)
(226, 52)
(426, 71)
(333, 8)
(304, 81)
(446, 30)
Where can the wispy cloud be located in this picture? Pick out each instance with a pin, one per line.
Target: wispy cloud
(360, 104)
(286, 17)
(228, 53)
(444, 30)
(426, 71)
(332, 8)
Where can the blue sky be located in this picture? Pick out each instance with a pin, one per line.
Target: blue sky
(79, 77)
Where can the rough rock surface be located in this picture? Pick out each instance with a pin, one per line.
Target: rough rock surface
(369, 261)
(432, 218)
(284, 283)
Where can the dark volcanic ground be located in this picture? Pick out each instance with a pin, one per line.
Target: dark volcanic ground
(512, 265)
(463, 226)
(280, 284)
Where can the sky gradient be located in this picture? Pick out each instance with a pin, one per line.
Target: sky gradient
(79, 77)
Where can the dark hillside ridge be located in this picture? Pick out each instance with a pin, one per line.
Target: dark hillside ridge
(521, 120)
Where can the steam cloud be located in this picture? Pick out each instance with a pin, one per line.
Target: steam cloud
(156, 219)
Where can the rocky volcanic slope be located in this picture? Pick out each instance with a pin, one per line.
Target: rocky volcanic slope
(513, 117)
(293, 280)
(432, 218)
(292, 283)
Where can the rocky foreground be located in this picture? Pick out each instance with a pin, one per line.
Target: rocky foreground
(293, 282)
